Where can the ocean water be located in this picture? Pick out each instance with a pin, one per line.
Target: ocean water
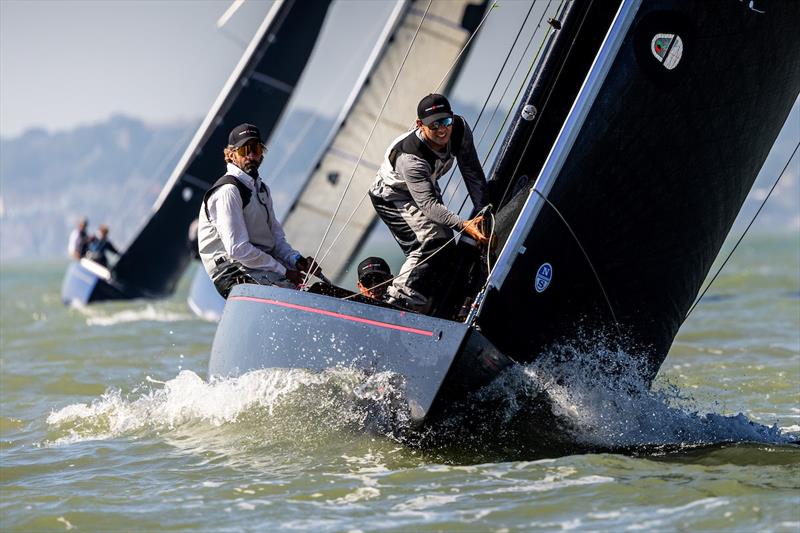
(109, 423)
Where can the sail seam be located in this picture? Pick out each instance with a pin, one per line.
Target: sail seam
(272, 82)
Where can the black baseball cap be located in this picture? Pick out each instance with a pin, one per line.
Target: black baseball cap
(242, 134)
(432, 108)
(373, 265)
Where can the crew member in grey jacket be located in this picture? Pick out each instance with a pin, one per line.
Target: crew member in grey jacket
(238, 236)
(407, 197)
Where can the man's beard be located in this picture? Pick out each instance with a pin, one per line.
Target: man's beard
(251, 166)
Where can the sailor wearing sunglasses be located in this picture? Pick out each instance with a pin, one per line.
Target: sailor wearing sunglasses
(407, 197)
(239, 238)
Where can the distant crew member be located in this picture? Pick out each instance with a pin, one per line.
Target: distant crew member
(407, 197)
(99, 246)
(239, 238)
(373, 277)
(79, 239)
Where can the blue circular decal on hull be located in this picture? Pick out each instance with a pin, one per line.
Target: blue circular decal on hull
(543, 277)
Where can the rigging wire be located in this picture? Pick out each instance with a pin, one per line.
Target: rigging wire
(474, 33)
(313, 119)
(697, 301)
(363, 197)
(547, 100)
(505, 90)
(534, 61)
(369, 137)
(543, 107)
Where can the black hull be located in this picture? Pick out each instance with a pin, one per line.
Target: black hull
(652, 182)
(439, 361)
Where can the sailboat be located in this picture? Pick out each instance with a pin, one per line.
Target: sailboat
(638, 139)
(258, 91)
(315, 203)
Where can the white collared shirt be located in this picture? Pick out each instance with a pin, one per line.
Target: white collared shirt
(225, 212)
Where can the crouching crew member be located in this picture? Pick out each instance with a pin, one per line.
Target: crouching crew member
(238, 236)
(373, 278)
(407, 197)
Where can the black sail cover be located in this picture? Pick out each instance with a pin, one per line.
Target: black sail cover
(658, 172)
(154, 262)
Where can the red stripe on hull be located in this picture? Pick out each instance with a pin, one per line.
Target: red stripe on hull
(335, 315)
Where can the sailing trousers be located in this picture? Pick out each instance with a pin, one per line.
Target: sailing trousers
(428, 252)
(231, 273)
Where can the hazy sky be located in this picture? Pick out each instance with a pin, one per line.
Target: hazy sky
(70, 62)
(67, 62)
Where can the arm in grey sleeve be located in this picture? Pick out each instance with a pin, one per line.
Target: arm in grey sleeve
(470, 166)
(417, 175)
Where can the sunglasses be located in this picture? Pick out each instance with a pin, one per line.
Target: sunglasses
(371, 280)
(251, 148)
(446, 122)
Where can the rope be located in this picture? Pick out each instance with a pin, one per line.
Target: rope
(488, 246)
(463, 48)
(486, 101)
(743, 233)
(439, 249)
(369, 137)
(358, 205)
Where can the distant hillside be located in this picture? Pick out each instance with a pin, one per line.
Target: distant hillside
(111, 172)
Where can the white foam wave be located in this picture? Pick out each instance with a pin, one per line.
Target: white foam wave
(148, 314)
(601, 400)
(598, 399)
(185, 399)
